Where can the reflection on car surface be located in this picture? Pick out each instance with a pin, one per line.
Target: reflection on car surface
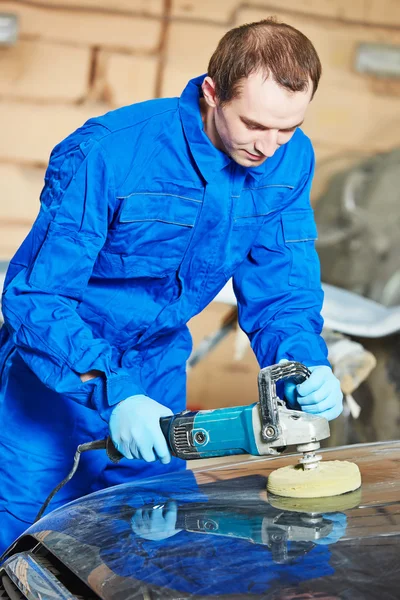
(215, 533)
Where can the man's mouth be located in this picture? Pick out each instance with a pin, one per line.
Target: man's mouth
(254, 157)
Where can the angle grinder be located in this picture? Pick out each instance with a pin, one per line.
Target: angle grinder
(266, 427)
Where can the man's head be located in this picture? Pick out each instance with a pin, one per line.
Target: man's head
(260, 81)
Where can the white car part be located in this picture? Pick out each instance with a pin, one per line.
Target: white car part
(346, 312)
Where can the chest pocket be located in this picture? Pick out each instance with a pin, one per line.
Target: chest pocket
(300, 233)
(250, 210)
(152, 233)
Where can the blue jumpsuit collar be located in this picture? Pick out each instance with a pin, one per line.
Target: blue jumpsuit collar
(208, 158)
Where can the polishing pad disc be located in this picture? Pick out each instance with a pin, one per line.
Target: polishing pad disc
(325, 505)
(330, 478)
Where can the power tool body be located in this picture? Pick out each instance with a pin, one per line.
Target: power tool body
(265, 427)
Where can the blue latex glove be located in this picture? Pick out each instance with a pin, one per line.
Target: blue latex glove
(319, 395)
(135, 429)
(157, 522)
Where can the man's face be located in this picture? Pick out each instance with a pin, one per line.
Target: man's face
(251, 127)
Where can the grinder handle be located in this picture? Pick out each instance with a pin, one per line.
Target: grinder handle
(115, 455)
(267, 397)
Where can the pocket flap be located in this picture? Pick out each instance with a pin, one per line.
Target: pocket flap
(166, 208)
(299, 226)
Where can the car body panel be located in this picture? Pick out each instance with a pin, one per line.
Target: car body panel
(214, 532)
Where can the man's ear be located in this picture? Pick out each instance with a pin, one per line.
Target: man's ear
(208, 87)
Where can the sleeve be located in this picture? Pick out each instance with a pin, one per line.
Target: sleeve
(278, 286)
(48, 276)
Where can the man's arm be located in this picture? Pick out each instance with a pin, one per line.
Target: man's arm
(279, 296)
(48, 277)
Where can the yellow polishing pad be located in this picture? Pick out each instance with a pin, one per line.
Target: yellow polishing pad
(330, 478)
(317, 505)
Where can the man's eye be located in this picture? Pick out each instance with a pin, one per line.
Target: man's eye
(255, 128)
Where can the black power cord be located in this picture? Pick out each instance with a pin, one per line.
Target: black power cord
(96, 445)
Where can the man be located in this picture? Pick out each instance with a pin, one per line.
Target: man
(145, 214)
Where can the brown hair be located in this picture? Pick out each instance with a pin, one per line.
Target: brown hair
(275, 48)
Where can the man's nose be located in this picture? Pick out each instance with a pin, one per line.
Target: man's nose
(267, 143)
